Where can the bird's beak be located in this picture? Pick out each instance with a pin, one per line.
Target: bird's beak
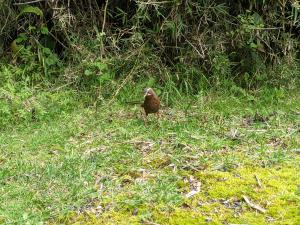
(147, 94)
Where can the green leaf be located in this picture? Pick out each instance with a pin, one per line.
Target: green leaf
(46, 51)
(257, 19)
(88, 72)
(21, 37)
(101, 66)
(151, 82)
(31, 9)
(31, 28)
(105, 77)
(50, 61)
(253, 45)
(44, 30)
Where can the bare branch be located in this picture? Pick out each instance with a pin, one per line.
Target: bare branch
(30, 2)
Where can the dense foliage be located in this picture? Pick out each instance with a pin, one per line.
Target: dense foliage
(209, 38)
(101, 46)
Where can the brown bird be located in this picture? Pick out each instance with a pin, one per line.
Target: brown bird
(151, 103)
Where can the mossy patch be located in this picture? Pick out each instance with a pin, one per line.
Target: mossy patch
(221, 200)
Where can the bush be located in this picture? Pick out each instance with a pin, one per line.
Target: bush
(239, 41)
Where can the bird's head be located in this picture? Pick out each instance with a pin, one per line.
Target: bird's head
(148, 92)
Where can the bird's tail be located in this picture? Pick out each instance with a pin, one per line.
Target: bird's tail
(133, 102)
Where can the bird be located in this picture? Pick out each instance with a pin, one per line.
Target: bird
(151, 102)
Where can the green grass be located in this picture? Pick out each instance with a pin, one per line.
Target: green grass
(106, 167)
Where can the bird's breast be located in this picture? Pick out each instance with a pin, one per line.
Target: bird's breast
(151, 105)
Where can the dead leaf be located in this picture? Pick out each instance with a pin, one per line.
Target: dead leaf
(260, 118)
(100, 148)
(208, 219)
(135, 211)
(233, 134)
(248, 121)
(150, 222)
(143, 145)
(195, 187)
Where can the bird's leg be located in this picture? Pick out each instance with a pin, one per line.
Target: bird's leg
(158, 115)
(144, 115)
(145, 119)
(158, 119)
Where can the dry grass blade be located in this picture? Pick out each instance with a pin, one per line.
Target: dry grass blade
(128, 77)
(258, 181)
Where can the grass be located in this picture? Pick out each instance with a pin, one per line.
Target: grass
(106, 167)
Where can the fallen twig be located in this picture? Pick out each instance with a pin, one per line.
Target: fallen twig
(254, 206)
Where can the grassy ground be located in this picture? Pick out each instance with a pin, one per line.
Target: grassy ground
(195, 166)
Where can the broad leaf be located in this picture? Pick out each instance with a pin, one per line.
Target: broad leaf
(31, 9)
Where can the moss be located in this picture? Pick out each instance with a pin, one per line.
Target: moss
(249, 218)
(277, 194)
(179, 216)
(109, 218)
(118, 218)
(220, 201)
